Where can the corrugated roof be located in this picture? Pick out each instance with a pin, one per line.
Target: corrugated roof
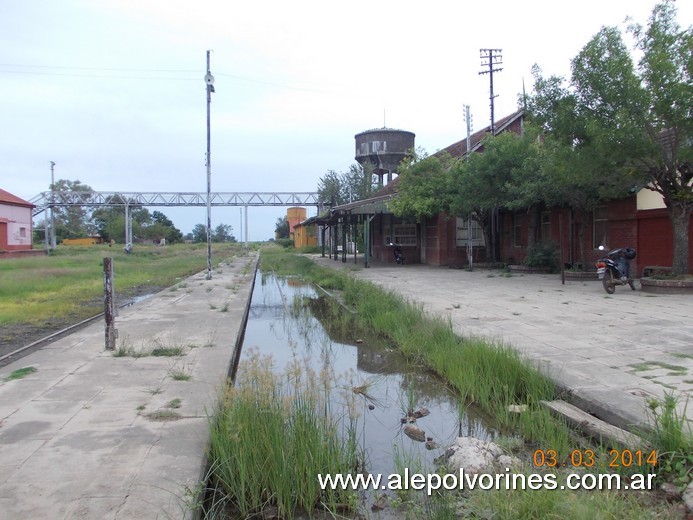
(7, 198)
(459, 148)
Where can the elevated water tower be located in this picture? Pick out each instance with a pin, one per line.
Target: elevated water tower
(384, 148)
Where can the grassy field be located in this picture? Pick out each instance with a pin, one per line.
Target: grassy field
(67, 286)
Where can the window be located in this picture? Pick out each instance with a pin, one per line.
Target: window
(600, 226)
(463, 229)
(545, 226)
(517, 231)
(402, 234)
(22, 232)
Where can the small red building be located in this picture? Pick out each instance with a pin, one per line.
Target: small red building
(16, 231)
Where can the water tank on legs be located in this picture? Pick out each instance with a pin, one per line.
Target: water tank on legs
(384, 148)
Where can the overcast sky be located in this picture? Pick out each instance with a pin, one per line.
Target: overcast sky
(113, 92)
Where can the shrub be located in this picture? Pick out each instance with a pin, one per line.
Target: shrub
(542, 254)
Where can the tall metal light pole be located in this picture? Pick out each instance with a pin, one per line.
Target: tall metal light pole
(209, 80)
(53, 235)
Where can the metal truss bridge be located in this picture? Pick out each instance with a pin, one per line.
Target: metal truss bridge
(46, 199)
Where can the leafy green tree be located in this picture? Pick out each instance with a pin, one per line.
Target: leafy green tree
(164, 228)
(199, 233)
(358, 183)
(109, 222)
(578, 166)
(646, 109)
(223, 233)
(502, 176)
(74, 220)
(424, 183)
(281, 228)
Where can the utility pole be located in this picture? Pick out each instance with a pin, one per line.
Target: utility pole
(209, 80)
(470, 245)
(491, 58)
(53, 236)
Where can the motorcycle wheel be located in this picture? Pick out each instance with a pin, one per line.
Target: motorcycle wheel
(609, 286)
(631, 283)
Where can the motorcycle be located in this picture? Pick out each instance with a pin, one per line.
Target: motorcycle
(397, 253)
(614, 268)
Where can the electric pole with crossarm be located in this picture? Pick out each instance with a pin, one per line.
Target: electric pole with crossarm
(491, 58)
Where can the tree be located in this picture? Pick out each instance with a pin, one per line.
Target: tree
(281, 228)
(223, 233)
(109, 222)
(199, 233)
(74, 220)
(504, 175)
(340, 188)
(578, 166)
(646, 110)
(423, 189)
(162, 227)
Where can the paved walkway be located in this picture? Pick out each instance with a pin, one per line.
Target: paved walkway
(610, 352)
(90, 435)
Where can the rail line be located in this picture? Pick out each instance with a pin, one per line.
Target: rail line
(57, 334)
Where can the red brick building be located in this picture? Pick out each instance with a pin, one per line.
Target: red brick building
(640, 221)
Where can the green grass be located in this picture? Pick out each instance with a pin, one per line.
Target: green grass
(20, 373)
(489, 375)
(68, 284)
(179, 374)
(652, 365)
(493, 376)
(271, 437)
(167, 351)
(673, 437)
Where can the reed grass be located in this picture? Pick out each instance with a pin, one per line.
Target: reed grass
(490, 376)
(673, 436)
(273, 434)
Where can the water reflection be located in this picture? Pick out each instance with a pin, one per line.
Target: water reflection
(389, 386)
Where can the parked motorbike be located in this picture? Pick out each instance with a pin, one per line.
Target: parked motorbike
(614, 268)
(397, 253)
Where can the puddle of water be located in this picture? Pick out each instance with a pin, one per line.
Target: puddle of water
(392, 384)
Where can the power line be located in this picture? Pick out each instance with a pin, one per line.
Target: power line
(94, 72)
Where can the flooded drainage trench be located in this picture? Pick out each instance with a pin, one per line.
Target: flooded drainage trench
(283, 324)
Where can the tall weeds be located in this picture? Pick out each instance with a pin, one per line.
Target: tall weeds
(491, 376)
(271, 438)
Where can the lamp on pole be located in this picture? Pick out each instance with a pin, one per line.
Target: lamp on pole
(209, 80)
(53, 236)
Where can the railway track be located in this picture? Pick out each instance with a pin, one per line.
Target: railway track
(18, 353)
